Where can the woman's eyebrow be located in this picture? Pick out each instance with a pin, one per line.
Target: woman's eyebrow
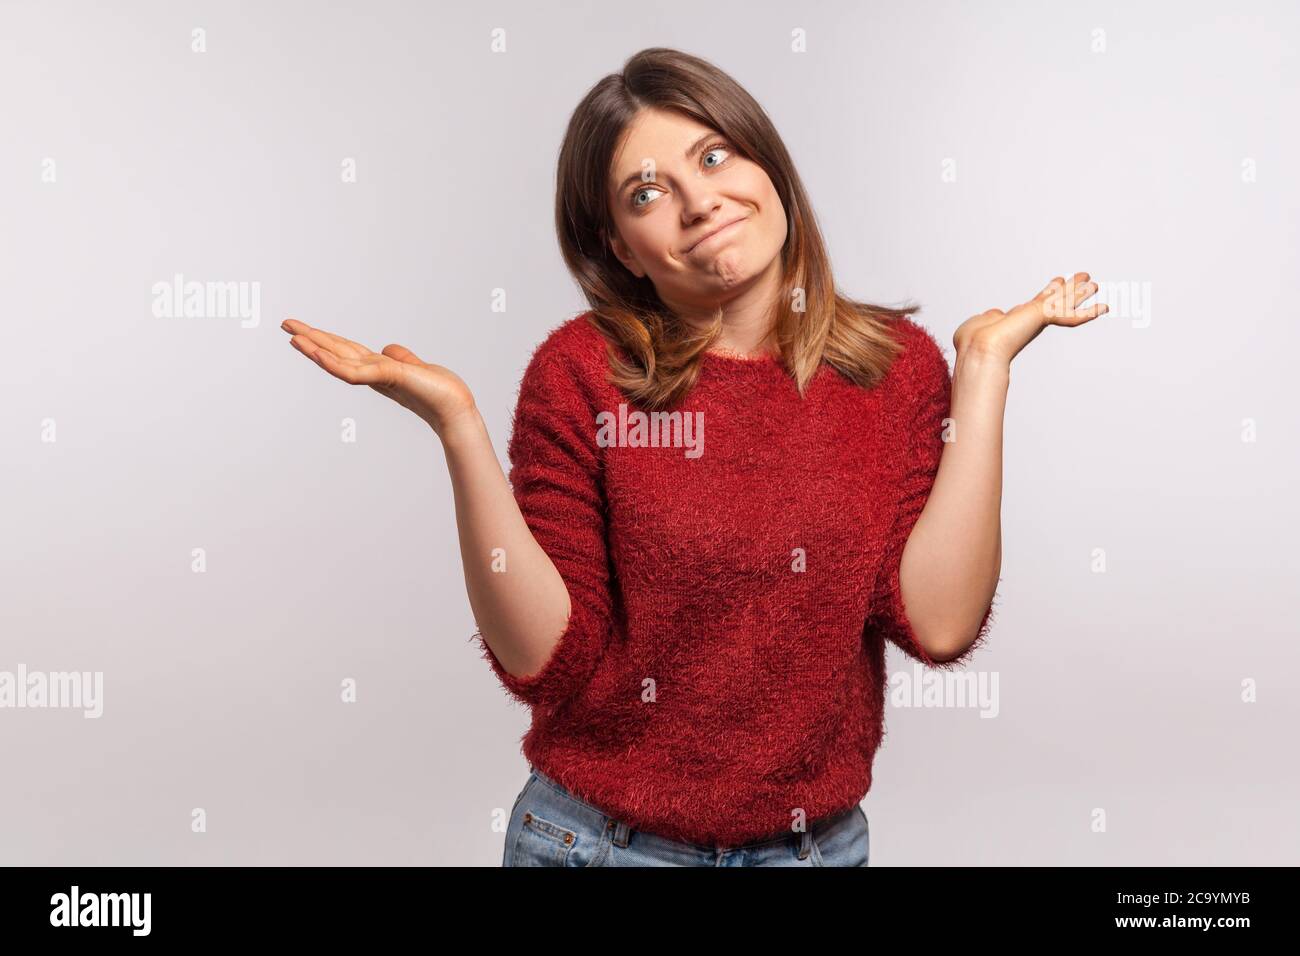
(694, 148)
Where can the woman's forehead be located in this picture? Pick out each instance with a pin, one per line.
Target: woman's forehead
(657, 135)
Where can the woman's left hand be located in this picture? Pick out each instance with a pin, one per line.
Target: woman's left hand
(1002, 335)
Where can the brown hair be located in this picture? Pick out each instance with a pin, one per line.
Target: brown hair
(665, 353)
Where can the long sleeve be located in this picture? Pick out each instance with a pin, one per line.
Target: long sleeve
(923, 398)
(556, 477)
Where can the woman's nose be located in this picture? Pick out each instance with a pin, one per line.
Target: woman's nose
(699, 201)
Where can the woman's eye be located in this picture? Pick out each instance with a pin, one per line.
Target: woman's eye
(716, 149)
(641, 192)
(636, 196)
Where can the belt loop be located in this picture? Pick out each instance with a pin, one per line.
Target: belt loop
(805, 844)
(622, 833)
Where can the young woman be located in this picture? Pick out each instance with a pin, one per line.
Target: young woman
(730, 486)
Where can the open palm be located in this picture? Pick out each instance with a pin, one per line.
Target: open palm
(1004, 334)
(437, 394)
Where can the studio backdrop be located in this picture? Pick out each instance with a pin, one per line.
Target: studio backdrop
(238, 579)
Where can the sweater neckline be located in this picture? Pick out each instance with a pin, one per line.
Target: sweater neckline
(734, 358)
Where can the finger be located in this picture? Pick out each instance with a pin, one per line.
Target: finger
(318, 353)
(1042, 304)
(357, 372)
(1075, 283)
(1065, 299)
(1057, 283)
(337, 343)
(376, 370)
(1073, 293)
(307, 347)
(1080, 316)
(1055, 305)
(339, 346)
(402, 354)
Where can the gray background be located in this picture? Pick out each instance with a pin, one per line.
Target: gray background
(329, 560)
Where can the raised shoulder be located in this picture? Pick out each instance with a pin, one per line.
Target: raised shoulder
(573, 357)
(564, 384)
(920, 371)
(574, 342)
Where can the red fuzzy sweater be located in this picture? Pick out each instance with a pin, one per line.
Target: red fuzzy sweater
(723, 667)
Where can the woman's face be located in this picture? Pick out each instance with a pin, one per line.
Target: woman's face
(673, 183)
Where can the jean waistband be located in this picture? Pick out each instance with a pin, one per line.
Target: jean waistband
(813, 827)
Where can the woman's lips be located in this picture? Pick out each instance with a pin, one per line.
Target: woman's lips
(720, 232)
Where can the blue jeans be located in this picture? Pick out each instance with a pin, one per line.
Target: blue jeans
(549, 826)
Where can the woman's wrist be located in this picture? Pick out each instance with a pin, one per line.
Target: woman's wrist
(974, 363)
(466, 428)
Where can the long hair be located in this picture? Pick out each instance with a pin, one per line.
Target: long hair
(660, 354)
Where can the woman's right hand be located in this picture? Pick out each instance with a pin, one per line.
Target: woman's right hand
(438, 395)
(522, 615)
